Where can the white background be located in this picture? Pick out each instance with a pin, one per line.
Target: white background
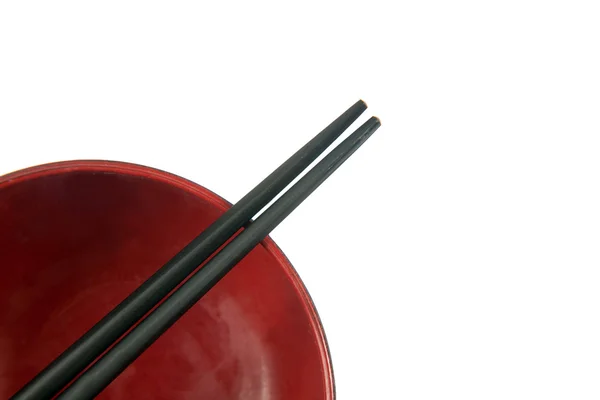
(455, 255)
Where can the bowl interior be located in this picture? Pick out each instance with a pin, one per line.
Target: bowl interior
(76, 238)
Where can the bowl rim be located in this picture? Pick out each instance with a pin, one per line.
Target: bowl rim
(138, 170)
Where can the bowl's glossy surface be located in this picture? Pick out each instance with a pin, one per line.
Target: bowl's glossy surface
(77, 237)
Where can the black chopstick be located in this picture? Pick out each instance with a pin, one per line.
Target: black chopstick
(101, 336)
(111, 364)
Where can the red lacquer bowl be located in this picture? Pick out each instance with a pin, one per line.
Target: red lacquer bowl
(76, 237)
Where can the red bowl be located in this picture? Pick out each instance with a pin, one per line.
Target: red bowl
(76, 237)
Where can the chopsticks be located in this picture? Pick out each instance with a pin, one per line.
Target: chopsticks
(77, 357)
(156, 323)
